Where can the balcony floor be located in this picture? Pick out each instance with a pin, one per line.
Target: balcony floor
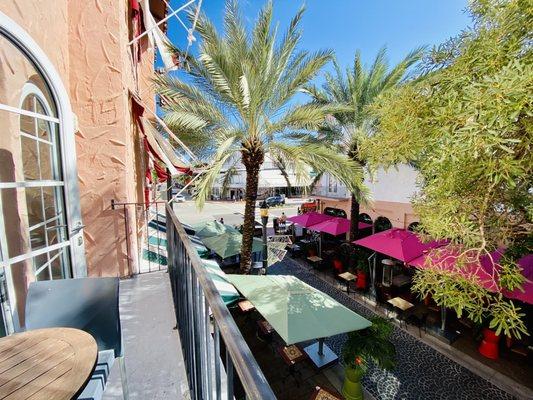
(154, 361)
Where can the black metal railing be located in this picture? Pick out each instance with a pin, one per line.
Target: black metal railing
(210, 338)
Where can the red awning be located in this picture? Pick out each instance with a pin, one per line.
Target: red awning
(156, 144)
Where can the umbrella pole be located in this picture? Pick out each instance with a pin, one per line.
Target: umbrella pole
(372, 266)
(443, 318)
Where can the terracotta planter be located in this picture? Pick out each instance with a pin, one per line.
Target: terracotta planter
(337, 264)
(361, 279)
(352, 388)
(489, 345)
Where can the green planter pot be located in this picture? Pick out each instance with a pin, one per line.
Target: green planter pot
(352, 388)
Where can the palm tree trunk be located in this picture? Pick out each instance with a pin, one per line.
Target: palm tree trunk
(286, 176)
(354, 218)
(252, 181)
(252, 158)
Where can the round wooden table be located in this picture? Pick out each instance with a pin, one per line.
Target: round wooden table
(46, 364)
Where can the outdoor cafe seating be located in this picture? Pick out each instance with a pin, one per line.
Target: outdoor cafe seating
(88, 304)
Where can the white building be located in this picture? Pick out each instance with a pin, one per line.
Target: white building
(391, 192)
(271, 181)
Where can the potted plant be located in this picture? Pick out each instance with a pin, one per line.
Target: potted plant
(371, 345)
(362, 273)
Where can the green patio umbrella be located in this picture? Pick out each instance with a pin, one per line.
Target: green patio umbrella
(298, 312)
(211, 229)
(225, 244)
(227, 291)
(228, 244)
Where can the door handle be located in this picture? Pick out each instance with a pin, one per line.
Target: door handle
(76, 229)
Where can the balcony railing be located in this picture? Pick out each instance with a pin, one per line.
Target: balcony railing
(206, 326)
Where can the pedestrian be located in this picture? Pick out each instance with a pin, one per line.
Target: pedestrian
(221, 220)
(283, 219)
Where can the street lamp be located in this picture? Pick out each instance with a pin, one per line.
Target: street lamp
(263, 211)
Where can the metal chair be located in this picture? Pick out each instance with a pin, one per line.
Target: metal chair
(89, 304)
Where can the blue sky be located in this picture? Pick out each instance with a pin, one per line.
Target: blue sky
(348, 25)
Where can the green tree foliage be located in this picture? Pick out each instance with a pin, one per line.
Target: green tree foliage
(467, 125)
(238, 98)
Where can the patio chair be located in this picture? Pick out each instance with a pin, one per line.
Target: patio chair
(323, 394)
(89, 304)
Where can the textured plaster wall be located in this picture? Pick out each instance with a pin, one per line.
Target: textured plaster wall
(399, 214)
(101, 77)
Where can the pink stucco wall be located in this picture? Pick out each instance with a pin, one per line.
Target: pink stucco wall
(87, 43)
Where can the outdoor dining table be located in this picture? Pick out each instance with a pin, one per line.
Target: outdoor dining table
(44, 364)
(347, 277)
(401, 304)
(315, 261)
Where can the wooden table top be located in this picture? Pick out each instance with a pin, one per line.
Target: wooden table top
(46, 364)
(291, 354)
(347, 276)
(400, 303)
(245, 306)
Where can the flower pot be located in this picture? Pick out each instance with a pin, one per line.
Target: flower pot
(489, 344)
(361, 280)
(352, 388)
(337, 265)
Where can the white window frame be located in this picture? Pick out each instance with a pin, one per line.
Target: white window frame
(65, 120)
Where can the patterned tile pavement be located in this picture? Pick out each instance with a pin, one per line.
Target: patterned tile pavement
(421, 372)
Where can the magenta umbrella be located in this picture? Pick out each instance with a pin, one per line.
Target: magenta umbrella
(311, 218)
(482, 270)
(397, 243)
(336, 226)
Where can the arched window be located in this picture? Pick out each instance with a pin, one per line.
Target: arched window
(335, 212)
(41, 233)
(413, 226)
(365, 218)
(45, 204)
(382, 224)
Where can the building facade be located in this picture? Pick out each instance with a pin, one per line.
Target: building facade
(391, 192)
(272, 180)
(70, 80)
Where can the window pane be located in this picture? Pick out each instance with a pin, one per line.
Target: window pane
(44, 129)
(58, 264)
(45, 162)
(34, 206)
(27, 124)
(37, 238)
(52, 205)
(30, 165)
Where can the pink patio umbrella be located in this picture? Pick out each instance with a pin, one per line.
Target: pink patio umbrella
(336, 226)
(482, 270)
(308, 219)
(398, 243)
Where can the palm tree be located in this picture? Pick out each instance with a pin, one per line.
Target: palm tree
(238, 95)
(357, 88)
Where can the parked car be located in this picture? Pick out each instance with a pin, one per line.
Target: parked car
(275, 201)
(179, 198)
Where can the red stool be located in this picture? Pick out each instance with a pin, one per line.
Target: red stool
(489, 344)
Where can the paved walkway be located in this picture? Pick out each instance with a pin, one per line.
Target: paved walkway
(421, 372)
(154, 361)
